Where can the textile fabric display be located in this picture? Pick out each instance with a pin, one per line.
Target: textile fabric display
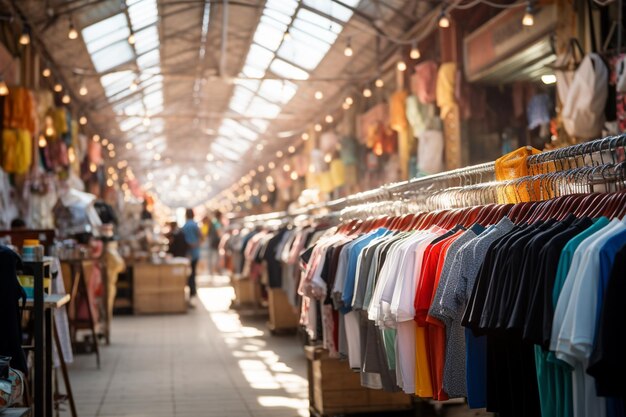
(446, 78)
(20, 110)
(430, 152)
(509, 309)
(17, 150)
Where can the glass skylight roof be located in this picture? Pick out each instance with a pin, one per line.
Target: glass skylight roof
(290, 41)
(292, 57)
(107, 43)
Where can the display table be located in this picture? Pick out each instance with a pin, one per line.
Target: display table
(160, 288)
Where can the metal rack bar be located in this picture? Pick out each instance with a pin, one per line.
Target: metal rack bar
(568, 157)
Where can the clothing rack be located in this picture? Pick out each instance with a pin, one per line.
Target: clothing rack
(589, 154)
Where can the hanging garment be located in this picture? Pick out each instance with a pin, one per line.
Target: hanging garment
(424, 82)
(348, 150)
(430, 152)
(369, 123)
(421, 117)
(446, 78)
(20, 110)
(17, 150)
(328, 142)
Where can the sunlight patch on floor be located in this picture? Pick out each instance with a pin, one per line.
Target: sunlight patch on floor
(260, 366)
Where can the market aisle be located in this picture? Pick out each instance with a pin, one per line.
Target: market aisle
(209, 362)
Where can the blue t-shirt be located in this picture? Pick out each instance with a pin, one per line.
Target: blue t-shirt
(191, 231)
(355, 251)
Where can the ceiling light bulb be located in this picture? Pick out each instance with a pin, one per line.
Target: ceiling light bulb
(110, 146)
(131, 38)
(379, 83)
(367, 92)
(345, 106)
(294, 175)
(548, 79)
(259, 147)
(349, 101)
(82, 120)
(46, 72)
(49, 131)
(72, 33)
(305, 136)
(348, 51)
(133, 86)
(210, 157)
(146, 121)
(528, 19)
(129, 145)
(83, 90)
(96, 138)
(286, 168)
(157, 157)
(4, 89)
(58, 87)
(328, 158)
(24, 37)
(261, 168)
(291, 149)
(111, 154)
(319, 95)
(318, 127)
(271, 165)
(401, 66)
(92, 167)
(105, 142)
(444, 22)
(42, 141)
(279, 154)
(329, 118)
(66, 99)
(415, 52)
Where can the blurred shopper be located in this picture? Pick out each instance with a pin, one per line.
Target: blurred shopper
(215, 234)
(193, 237)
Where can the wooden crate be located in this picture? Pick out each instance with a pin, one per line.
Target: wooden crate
(247, 291)
(335, 389)
(159, 288)
(282, 316)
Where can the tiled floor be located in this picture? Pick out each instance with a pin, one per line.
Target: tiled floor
(210, 362)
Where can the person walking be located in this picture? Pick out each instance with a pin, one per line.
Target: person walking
(215, 234)
(192, 234)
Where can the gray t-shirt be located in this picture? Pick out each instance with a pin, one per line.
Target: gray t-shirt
(459, 282)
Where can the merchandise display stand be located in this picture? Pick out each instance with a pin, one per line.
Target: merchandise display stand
(160, 288)
(78, 285)
(42, 306)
